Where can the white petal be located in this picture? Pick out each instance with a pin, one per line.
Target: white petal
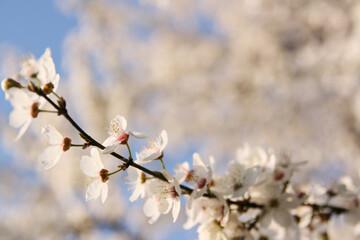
(151, 210)
(164, 205)
(93, 190)
(120, 121)
(91, 166)
(251, 175)
(18, 116)
(18, 97)
(283, 217)
(52, 135)
(23, 129)
(104, 192)
(135, 195)
(109, 149)
(50, 156)
(110, 141)
(138, 134)
(150, 157)
(176, 209)
(167, 175)
(164, 139)
(96, 156)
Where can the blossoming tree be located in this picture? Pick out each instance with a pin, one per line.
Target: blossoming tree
(254, 199)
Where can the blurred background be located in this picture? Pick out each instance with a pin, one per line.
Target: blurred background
(214, 74)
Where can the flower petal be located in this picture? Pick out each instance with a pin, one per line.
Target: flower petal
(50, 156)
(176, 209)
(150, 157)
(138, 134)
(91, 166)
(93, 190)
(52, 135)
(109, 149)
(164, 139)
(150, 210)
(104, 192)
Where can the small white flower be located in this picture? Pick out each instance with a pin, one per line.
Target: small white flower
(118, 134)
(24, 109)
(277, 204)
(57, 145)
(43, 69)
(138, 180)
(236, 182)
(199, 177)
(250, 157)
(203, 210)
(164, 196)
(155, 150)
(97, 176)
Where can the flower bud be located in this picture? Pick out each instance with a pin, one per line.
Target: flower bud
(8, 83)
(35, 110)
(47, 89)
(32, 87)
(66, 144)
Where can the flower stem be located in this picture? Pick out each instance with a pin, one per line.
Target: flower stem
(48, 111)
(77, 145)
(109, 174)
(56, 95)
(162, 163)
(127, 145)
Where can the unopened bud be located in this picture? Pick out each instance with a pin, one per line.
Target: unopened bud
(66, 144)
(8, 83)
(47, 89)
(35, 110)
(104, 175)
(32, 87)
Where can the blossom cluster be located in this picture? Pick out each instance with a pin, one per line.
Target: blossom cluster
(254, 199)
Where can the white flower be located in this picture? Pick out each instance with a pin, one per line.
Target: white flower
(155, 150)
(164, 196)
(97, 176)
(250, 157)
(118, 135)
(57, 145)
(277, 204)
(43, 69)
(236, 182)
(203, 210)
(138, 180)
(199, 177)
(24, 109)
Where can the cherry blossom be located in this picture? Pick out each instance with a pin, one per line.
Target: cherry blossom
(138, 179)
(57, 145)
(199, 176)
(163, 196)
(237, 181)
(155, 150)
(97, 176)
(118, 134)
(277, 203)
(24, 109)
(43, 69)
(203, 210)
